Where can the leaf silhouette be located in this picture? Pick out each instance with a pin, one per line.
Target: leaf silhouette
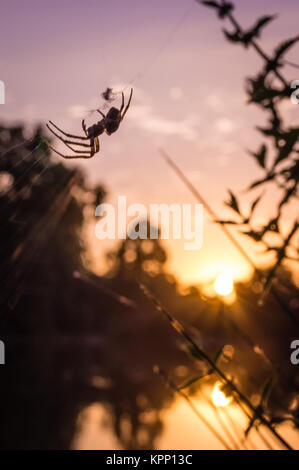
(256, 29)
(263, 21)
(251, 34)
(292, 172)
(194, 352)
(210, 4)
(267, 178)
(194, 380)
(284, 46)
(254, 204)
(290, 138)
(260, 156)
(263, 93)
(274, 63)
(287, 195)
(218, 354)
(272, 226)
(223, 8)
(233, 37)
(256, 236)
(266, 390)
(233, 202)
(224, 222)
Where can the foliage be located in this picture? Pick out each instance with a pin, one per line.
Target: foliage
(268, 89)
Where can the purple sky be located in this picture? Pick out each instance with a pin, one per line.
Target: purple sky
(57, 57)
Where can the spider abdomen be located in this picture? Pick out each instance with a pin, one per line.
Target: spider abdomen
(112, 120)
(96, 129)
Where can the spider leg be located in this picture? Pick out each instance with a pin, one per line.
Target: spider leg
(80, 151)
(97, 145)
(67, 135)
(128, 105)
(68, 141)
(122, 102)
(102, 114)
(70, 156)
(92, 150)
(84, 127)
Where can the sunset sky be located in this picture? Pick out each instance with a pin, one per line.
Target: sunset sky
(188, 98)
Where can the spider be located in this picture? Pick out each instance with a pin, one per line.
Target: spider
(109, 124)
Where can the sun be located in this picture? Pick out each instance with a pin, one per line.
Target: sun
(218, 397)
(224, 283)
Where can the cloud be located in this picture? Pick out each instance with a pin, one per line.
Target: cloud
(77, 111)
(143, 117)
(214, 101)
(225, 125)
(176, 93)
(80, 111)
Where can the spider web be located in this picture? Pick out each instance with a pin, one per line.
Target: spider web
(29, 236)
(143, 71)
